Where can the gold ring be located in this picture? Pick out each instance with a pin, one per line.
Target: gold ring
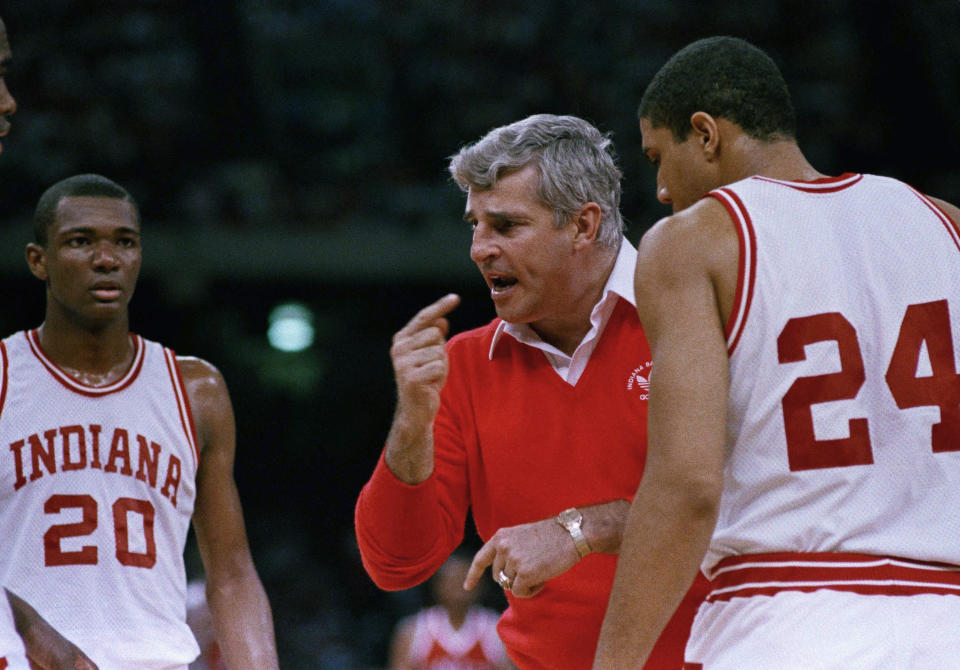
(504, 581)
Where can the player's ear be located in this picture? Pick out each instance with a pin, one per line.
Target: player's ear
(37, 260)
(587, 224)
(706, 132)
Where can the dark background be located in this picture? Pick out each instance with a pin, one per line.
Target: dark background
(297, 149)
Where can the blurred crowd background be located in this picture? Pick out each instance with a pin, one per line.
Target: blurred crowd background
(293, 153)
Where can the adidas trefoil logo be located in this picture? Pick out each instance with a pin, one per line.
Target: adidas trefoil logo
(640, 379)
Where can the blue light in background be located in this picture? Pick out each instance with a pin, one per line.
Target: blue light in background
(291, 327)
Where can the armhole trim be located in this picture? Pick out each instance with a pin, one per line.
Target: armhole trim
(953, 227)
(4, 375)
(746, 265)
(183, 403)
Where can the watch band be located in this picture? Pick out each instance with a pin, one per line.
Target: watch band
(571, 520)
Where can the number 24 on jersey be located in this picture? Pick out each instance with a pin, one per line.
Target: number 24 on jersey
(922, 323)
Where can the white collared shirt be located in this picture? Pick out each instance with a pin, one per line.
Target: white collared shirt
(619, 285)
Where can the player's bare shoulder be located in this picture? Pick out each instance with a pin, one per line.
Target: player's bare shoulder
(699, 238)
(949, 209)
(697, 246)
(208, 396)
(200, 377)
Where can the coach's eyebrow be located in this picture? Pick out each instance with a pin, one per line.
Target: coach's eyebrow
(499, 217)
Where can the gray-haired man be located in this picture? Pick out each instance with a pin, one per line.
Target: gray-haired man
(535, 422)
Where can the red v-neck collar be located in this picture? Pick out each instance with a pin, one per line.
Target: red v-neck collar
(588, 371)
(33, 339)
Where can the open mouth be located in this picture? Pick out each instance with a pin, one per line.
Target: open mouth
(500, 284)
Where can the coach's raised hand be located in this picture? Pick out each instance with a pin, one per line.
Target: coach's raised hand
(420, 368)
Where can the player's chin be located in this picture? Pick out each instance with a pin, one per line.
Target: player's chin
(104, 313)
(107, 310)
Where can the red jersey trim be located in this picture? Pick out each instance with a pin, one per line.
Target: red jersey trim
(947, 222)
(33, 339)
(183, 403)
(768, 574)
(746, 266)
(824, 185)
(4, 376)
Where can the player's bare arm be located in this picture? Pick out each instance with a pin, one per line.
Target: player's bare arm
(949, 209)
(46, 648)
(681, 261)
(238, 603)
(420, 368)
(530, 554)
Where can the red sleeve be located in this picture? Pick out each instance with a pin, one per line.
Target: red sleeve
(398, 543)
(405, 532)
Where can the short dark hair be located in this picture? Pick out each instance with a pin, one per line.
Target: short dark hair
(725, 77)
(76, 186)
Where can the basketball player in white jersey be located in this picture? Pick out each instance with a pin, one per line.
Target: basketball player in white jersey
(805, 401)
(456, 633)
(113, 445)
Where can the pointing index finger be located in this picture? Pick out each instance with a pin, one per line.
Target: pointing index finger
(434, 311)
(481, 560)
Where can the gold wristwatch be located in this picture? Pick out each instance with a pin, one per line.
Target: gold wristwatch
(571, 519)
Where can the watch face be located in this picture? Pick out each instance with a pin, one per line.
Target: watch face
(569, 517)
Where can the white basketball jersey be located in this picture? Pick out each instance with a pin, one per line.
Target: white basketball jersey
(437, 645)
(844, 412)
(97, 488)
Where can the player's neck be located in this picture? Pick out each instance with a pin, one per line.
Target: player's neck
(457, 616)
(777, 160)
(92, 356)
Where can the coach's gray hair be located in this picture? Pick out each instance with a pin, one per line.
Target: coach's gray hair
(576, 163)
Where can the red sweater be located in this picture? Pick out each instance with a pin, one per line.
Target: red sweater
(515, 443)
